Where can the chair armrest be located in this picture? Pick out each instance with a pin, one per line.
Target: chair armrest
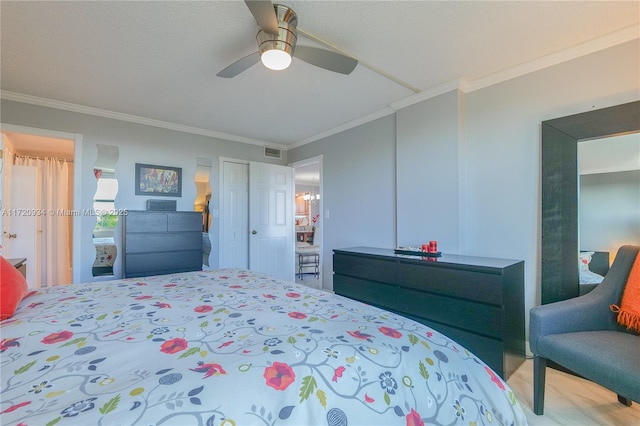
(585, 313)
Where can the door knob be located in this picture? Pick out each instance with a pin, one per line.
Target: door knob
(12, 236)
(254, 232)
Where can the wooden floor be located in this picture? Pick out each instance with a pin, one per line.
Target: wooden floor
(570, 400)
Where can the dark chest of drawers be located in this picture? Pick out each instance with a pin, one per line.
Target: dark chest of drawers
(160, 242)
(476, 301)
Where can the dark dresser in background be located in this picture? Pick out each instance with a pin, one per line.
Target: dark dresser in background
(476, 301)
(20, 264)
(161, 242)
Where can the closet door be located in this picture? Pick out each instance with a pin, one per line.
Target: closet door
(257, 220)
(234, 220)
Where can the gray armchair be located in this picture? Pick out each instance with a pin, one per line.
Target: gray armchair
(583, 336)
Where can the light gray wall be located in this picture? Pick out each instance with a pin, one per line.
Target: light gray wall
(358, 188)
(136, 144)
(501, 211)
(609, 211)
(428, 144)
(497, 139)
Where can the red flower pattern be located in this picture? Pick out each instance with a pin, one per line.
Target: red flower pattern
(297, 315)
(359, 335)
(174, 345)
(57, 337)
(391, 332)
(203, 308)
(7, 343)
(495, 379)
(279, 376)
(413, 419)
(293, 295)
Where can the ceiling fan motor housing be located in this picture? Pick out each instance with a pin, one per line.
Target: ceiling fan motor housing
(287, 35)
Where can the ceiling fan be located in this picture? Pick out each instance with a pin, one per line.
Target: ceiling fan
(277, 38)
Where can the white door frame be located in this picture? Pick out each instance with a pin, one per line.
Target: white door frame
(318, 236)
(77, 184)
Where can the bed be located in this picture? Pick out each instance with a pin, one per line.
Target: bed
(233, 347)
(105, 256)
(592, 267)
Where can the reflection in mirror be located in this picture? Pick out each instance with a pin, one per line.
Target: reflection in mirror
(609, 194)
(201, 204)
(104, 206)
(559, 276)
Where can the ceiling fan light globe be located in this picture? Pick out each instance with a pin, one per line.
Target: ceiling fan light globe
(276, 59)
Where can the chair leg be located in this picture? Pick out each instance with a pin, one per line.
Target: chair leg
(624, 401)
(539, 373)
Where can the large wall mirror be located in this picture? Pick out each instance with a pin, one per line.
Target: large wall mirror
(104, 231)
(560, 231)
(201, 204)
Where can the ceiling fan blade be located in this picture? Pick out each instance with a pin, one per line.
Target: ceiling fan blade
(326, 59)
(265, 15)
(240, 65)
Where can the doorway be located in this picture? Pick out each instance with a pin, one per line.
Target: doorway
(41, 233)
(308, 222)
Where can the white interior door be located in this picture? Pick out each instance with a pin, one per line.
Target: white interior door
(271, 223)
(234, 223)
(21, 225)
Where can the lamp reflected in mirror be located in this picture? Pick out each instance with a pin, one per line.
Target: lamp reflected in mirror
(201, 204)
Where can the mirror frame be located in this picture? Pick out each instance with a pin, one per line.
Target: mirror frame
(560, 138)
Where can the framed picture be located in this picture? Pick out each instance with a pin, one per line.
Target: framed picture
(158, 180)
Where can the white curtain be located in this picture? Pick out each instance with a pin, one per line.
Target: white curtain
(56, 198)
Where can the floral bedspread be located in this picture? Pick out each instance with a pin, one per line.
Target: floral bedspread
(105, 252)
(232, 347)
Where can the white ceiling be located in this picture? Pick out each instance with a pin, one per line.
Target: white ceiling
(156, 61)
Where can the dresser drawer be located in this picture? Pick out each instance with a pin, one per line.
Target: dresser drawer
(144, 264)
(162, 242)
(374, 293)
(490, 351)
(145, 222)
(367, 268)
(477, 286)
(184, 221)
(467, 315)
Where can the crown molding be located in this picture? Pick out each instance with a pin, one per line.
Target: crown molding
(346, 126)
(432, 92)
(583, 49)
(462, 84)
(67, 106)
(468, 86)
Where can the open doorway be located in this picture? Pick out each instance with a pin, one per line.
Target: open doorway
(37, 200)
(308, 222)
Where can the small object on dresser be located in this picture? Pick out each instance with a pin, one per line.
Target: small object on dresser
(416, 251)
(162, 205)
